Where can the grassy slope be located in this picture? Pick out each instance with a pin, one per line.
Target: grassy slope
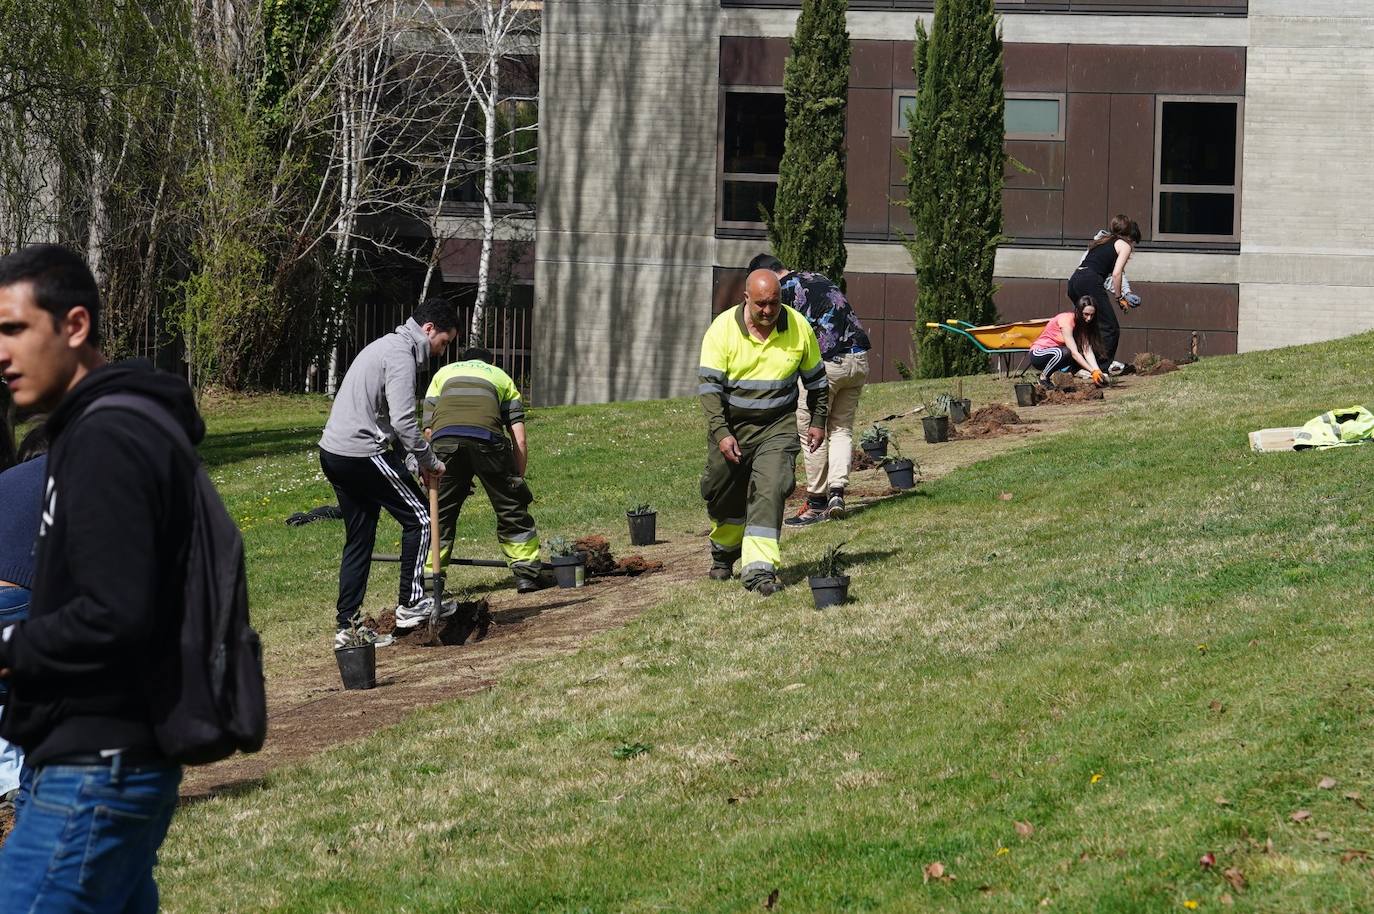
(998, 658)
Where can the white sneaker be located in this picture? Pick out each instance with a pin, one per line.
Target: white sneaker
(408, 617)
(341, 638)
(1115, 368)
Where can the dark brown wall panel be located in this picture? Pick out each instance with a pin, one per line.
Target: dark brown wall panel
(752, 61)
(1131, 185)
(868, 141)
(1085, 164)
(1033, 214)
(902, 75)
(728, 290)
(865, 292)
(897, 170)
(898, 216)
(1199, 306)
(901, 297)
(1035, 67)
(1128, 69)
(1027, 299)
(870, 64)
(1044, 158)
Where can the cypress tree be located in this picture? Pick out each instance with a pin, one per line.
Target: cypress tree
(806, 227)
(954, 179)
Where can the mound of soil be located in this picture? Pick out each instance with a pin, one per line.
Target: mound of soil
(637, 565)
(1066, 395)
(456, 629)
(992, 421)
(861, 461)
(1147, 363)
(598, 552)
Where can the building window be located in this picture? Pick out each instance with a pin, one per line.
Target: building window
(752, 128)
(903, 109)
(1197, 168)
(1034, 116)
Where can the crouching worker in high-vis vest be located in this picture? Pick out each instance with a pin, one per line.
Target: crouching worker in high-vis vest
(470, 407)
(751, 359)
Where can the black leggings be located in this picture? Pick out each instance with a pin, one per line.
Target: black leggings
(1086, 282)
(1048, 361)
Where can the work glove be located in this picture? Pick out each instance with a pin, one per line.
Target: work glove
(1098, 378)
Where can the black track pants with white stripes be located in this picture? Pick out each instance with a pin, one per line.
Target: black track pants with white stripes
(364, 486)
(1051, 359)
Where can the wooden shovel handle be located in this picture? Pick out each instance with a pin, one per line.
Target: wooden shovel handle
(434, 549)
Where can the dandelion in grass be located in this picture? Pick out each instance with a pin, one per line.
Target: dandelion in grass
(1097, 776)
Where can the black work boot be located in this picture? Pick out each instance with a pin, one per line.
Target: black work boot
(722, 565)
(835, 507)
(768, 586)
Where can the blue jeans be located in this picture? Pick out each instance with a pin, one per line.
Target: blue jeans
(85, 839)
(14, 607)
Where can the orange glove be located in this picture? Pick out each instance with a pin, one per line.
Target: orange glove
(1098, 378)
(1124, 304)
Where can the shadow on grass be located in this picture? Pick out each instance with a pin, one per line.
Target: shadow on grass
(239, 788)
(221, 448)
(798, 574)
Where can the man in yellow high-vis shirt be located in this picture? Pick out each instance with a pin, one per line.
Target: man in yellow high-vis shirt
(751, 359)
(469, 407)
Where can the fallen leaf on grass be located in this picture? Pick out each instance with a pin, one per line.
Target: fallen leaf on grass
(1236, 878)
(1202, 648)
(1207, 860)
(1226, 899)
(772, 900)
(794, 686)
(1353, 854)
(1221, 801)
(1217, 706)
(1095, 778)
(1301, 815)
(1005, 496)
(1326, 783)
(1190, 904)
(937, 872)
(1322, 835)
(1354, 797)
(1024, 829)
(1003, 850)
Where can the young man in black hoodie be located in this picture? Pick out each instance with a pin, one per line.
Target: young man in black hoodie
(97, 796)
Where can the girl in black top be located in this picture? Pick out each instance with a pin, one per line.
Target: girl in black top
(1106, 259)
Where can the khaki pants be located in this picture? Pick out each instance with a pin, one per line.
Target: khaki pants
(828, 467)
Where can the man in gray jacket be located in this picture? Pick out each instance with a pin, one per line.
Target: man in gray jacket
(371, 436)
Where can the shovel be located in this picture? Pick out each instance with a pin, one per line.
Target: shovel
(438, 603)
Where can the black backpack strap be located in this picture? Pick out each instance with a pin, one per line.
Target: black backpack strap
(154, 412)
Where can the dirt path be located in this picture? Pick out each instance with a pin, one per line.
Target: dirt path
(309, 712)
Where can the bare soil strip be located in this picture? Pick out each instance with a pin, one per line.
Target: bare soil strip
(309, 711)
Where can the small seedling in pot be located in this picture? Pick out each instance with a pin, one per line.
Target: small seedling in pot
(643, 525)
(561, 547)
(833, 562)
(901, 471)
(356, 635)
(569, 565)
(935, 423)
(830, 584)
(875, 438)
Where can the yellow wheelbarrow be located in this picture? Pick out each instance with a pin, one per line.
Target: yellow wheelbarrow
(1001, 341)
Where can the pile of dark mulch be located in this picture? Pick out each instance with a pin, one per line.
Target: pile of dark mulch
(992, 421)
(598, 553)
(1147, 363)
(1061, 396)
(470, 618)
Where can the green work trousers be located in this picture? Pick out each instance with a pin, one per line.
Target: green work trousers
(746, 500)
(493, 464)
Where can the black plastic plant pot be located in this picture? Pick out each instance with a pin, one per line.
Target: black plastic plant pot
(936, 429)
(357, 666)
(643, 528)
(829, 591)
(876, 451)
(959, 410)
(901, 473)
(1025, 394)
(569, 570)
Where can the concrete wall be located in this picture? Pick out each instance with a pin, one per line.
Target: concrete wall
(626, 241)
(1307, 245)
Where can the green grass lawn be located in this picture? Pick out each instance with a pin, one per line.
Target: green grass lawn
(1156, 649)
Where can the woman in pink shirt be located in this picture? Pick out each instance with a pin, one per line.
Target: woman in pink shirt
(1067, 339)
